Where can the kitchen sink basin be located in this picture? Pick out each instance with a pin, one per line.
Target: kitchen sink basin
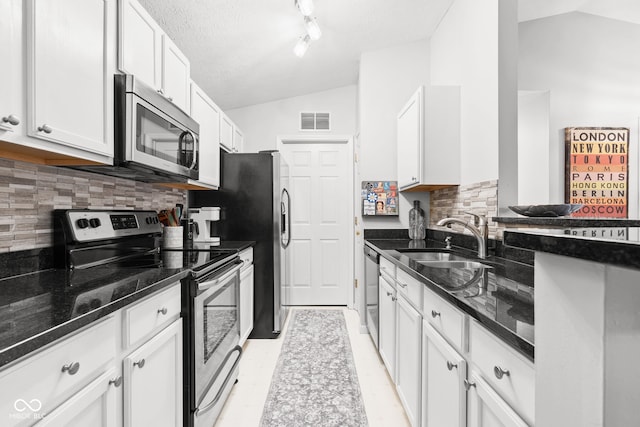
(432, 256)
(457, 263)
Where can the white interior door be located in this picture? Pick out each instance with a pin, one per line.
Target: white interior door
(321, 254)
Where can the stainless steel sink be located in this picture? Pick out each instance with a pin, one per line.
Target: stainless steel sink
(432, 256)
(457, 263)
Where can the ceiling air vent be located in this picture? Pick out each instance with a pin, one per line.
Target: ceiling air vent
(315, 121)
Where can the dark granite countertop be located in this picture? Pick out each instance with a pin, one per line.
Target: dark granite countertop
(616, 246)
(505, 304)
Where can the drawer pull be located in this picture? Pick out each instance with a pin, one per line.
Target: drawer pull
(71, 368)
(11, 119)
(139, 363)
(45, 129)
(389, 293)
(163, 310)
(468, 385)
(117, 382)
(394, 299)
(450, 365)
(404, 285)
(499, 372)
(435, 314)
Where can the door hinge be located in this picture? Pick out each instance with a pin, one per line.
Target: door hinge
(355, 283)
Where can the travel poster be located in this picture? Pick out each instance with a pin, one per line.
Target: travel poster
(597, 171)
(379, 198)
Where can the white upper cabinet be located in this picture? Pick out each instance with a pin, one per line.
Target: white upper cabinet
(147, 53)
(11, 102)
(428, 138)
(70, 73)
(207, 114)
(226, 133)
(238, 140)
(175, 74)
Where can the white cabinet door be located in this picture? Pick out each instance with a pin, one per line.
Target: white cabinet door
(94, 405)
(246, 303)
(487, 408)
(410, 129)
(11, 41)
(70, 75)
(444, 397)
(238, 140)
(226, 133)
(207, 114)
(153, 381)
(408, 360)
(387, 326)
(140, 47)
(175, 74)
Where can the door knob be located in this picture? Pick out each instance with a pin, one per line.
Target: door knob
(71, 368)
(163, 310)
(499, 372)
(450, 365)
(117, 382)
(139, 363)
(434, 314)
(468, 385)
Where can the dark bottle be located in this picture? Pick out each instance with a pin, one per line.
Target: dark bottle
(417, 226)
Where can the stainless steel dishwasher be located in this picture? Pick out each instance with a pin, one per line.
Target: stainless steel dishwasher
(371, 271)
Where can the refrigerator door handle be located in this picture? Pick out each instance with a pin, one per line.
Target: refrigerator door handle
(285, 211)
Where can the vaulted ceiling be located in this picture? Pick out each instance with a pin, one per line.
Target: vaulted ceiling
(241, 51)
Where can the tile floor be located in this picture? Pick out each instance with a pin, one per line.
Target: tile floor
(245, 403)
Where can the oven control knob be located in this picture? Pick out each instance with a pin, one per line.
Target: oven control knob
(82, 223)
(94, 222)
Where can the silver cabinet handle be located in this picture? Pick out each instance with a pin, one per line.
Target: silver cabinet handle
(389, 293)
(468, 385)
(450, 365)
(11, 119)
(499, 372)
(404, 285)
(163, 310)
(117, 382)
(139, 363)
(71, 368)
(434, 314)
(170, 98)
(161, 92)
(45, 129)
(394, 299)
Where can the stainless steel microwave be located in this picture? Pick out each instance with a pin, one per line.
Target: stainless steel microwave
(154, 140)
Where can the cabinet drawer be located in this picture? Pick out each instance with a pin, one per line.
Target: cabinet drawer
(446, 319)
(388, 268)
(35, 386)
(247, 258)
(151, 315)
(490, 355)
(410, 287)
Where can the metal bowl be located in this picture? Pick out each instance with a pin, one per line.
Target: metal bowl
(545, 210)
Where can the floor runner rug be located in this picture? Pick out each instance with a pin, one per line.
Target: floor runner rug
(315, 381)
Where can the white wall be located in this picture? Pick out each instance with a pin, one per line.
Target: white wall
(533, 148)
(387, 78)
(589, 66)
(262, 123)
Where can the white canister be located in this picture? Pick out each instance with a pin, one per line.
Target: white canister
(172, 237)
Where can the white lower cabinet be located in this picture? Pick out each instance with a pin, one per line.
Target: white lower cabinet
(444, 372)
(153, 381)
(408, 346)
(387, 325)
(487, 408)
(246, 302)
(87, 379)
(94, 405)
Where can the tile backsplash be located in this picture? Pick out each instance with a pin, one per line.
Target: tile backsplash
(30, 192)
(480, 198)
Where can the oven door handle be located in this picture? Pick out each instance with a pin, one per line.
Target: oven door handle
(206, 284)
(215, 400)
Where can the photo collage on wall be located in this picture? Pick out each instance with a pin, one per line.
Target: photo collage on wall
(379, 198)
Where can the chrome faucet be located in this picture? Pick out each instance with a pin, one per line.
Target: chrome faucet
(478, 228)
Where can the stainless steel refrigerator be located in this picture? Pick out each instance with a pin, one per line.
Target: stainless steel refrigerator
(254, 205)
